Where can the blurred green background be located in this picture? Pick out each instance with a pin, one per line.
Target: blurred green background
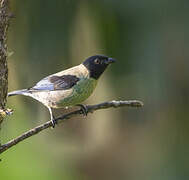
(150, 41)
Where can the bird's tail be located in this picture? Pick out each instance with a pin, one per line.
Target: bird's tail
(19, 92)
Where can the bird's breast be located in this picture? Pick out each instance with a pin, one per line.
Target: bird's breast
(79, 93)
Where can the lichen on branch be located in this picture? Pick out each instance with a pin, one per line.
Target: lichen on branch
(5, 16)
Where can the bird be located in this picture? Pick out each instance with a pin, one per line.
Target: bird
(69, 87)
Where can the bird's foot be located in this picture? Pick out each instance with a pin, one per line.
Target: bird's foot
(84, 109)
(54, 122)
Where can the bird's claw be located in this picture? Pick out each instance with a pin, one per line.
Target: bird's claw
(54, 122)
(84, 109)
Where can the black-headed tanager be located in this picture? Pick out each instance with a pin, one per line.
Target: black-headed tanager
(69, 87)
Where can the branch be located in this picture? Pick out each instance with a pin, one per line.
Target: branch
(90, 108)
(5, 16)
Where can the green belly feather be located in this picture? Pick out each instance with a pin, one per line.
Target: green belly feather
(81, 91)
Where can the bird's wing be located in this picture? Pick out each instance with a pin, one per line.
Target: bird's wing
(54, 82)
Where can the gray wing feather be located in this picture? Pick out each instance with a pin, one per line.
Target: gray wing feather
(52, 83)
(43, 85)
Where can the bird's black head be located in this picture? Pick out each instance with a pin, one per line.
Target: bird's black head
(97, 65)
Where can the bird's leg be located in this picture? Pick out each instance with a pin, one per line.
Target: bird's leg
(83, 108)
(52, 117)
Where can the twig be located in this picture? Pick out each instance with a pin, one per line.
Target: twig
(90, 108)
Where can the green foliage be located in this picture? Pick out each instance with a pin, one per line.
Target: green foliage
(150, 42)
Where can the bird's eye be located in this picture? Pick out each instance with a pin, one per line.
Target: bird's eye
(97, 61)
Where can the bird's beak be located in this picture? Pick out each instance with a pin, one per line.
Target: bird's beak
(110, 60)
